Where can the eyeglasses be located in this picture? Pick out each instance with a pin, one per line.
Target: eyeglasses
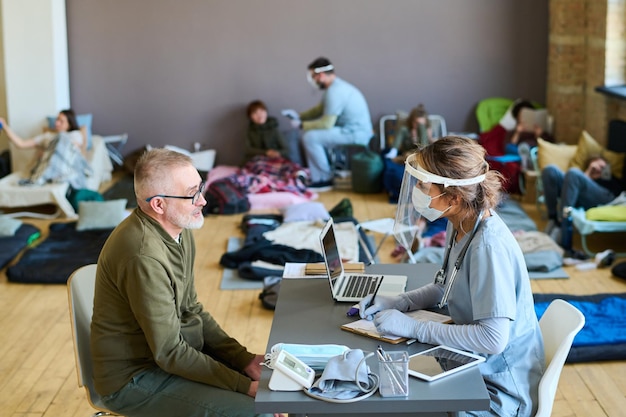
(194, 198)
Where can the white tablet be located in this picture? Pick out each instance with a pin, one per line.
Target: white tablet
(440, 361)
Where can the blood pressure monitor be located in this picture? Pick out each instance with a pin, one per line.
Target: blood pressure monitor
(290, 373)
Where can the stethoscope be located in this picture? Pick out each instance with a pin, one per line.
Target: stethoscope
(440, 276)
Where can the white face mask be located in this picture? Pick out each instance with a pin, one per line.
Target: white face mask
(421, 202)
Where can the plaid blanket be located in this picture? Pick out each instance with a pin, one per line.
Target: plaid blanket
(61, 161)
(265, 175)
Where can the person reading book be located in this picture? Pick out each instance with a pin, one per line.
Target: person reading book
(530, 125)
(483, 281)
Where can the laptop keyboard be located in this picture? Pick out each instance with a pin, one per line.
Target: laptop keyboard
(360, 285)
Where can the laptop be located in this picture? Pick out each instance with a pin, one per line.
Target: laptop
(353, 287)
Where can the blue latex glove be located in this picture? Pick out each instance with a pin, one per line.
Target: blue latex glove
(290, 113)
(381, 302)
(394, 322)
(295, 123)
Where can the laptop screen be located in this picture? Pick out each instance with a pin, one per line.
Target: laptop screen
(331, 253)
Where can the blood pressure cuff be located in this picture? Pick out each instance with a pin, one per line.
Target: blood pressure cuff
(315, 356)
(345, 376)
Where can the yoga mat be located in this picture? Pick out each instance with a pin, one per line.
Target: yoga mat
(558, 273)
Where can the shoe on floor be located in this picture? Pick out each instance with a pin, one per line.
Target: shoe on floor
(576, 254)
(605, 258)
(321, 186)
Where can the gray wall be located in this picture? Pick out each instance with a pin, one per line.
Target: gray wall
(180, 71)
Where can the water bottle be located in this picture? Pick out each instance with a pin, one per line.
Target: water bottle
(567, 229)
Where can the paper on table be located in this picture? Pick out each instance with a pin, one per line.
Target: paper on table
(298, 270)
(367, 327)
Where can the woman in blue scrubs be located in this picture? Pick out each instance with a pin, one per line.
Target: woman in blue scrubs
(483, 280)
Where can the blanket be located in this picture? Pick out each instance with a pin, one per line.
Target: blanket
(603, 337)
(266, 175)
(54, 259)
(10, 246)
(258, 248)
(61, 161)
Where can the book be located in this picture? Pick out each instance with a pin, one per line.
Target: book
(319, 268)
(367, 328)
(530, 118)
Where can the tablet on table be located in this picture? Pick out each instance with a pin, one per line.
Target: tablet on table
(439, 361)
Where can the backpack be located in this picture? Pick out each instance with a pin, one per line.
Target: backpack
(75, 196)
(368, 169)
(269, 295)
(224, 196)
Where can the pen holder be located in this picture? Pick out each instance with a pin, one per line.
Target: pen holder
(394, 374)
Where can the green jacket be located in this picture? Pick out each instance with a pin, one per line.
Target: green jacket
(146, 313)
(261, 138)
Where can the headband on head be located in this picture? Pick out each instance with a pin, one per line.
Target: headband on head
(425, 176)
(325, 68)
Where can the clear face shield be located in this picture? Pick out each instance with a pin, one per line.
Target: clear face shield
(415, 201)
(309, 75)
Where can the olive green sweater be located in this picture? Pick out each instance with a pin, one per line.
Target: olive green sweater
(145, 301)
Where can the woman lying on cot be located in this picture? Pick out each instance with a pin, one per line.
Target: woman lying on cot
(62, 152)
(64, 123)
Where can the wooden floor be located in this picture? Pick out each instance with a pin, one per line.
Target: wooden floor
(38, 376)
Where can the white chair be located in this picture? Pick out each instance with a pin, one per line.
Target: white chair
(80, 291)
(559, 325)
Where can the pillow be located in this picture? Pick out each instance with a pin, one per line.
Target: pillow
(100, 214)
(507, 121)
(305, 211)
(607, 213)
(553, 153)
(588, 146)
(84, 120)
(8, 226)
(275, 200)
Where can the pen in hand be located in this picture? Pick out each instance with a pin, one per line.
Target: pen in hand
(371, 302)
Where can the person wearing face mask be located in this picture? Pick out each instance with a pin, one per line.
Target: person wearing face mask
(342, 117)
(483, 281)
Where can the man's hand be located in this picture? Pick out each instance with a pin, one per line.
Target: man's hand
(253, 370)
(290, 113)
(295, 123)
(254, 386)
(594, 170)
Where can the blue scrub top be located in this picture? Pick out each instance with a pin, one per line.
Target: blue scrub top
(345, 101)
(493, 282)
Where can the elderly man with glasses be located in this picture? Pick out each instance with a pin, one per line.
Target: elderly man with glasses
(156, 350)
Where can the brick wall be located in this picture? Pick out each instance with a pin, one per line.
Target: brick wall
(587, 45)
(587, 49)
